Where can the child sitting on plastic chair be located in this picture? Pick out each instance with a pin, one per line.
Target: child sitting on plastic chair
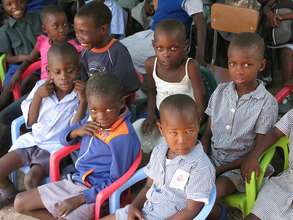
(240, 113)
(274, 201)
(108, 147)
(49, 109)
(180, 175)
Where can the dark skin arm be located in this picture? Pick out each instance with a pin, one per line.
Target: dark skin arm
(150, 122)
(43, 91)
(250, 162)
(199, 21)
(206, 138)
(80, 90)
(66, 206)
(28, 60)
(197, 85)
(236, 164)
(134, 212)
(191, 210)
(16, 59)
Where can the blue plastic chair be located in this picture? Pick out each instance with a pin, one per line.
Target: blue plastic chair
(114, 201)
(15, 133)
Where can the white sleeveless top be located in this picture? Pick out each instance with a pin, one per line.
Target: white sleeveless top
(165, 89)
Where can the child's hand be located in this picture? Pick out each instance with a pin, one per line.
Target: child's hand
(66, 206)
(79, 87)
(15, 78)
(89, 128)
(148, 125)
(249, 164)
(46, 89)
(134, 213)
(272, 19)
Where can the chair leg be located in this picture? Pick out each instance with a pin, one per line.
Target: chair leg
(214, 47)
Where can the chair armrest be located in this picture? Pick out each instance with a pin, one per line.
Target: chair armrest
(15, 128)
(252, 188)
(29, 71)
(285, 91)
(205, 211)
(55, 159)
(108, 191)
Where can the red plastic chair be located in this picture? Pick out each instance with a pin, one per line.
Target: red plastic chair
(29, 71)
(105, 193)
(283, 93)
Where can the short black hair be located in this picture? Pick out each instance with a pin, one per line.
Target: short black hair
(180, 103)
(51, 10)
(64, 49)
(97, 11)
(171, 26)
(104, 84)
(248, 40)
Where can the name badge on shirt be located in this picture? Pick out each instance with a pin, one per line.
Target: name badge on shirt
(179, 179)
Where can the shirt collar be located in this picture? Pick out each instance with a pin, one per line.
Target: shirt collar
(191, 157)
(258, 93)
(11, 21)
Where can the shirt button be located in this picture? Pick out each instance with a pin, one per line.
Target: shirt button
(228, 127)
(232, 110)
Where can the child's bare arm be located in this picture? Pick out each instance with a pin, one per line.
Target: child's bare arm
(250, 162)
(137, 204)
(201, 31)
(197, 85)
(206, 138)
(66, 206)
(43, 91)
(191, 210)
(80, 90)
(150, 122)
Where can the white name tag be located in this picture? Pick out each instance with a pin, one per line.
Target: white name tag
(179, 179)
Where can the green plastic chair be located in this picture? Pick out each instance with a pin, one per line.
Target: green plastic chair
(245, 201)
(2, 67)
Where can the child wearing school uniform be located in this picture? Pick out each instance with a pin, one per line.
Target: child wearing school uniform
(274, 201)
(180, 174)
(50, 108)
(240, 113)
(108, 147)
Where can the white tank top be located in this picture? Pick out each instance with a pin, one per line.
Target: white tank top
(165, 89)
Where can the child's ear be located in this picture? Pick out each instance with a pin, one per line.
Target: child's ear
(159, 125)
(122, 102)
(262, 65)
(105, 28)
(153, 43)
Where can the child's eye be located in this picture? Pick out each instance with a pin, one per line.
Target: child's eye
(69, 70)
(173, 133)
(173, 49)
(231, 64)
(190, 131)
(246, 65)
(93, 111)
(159, 48)
(109, 110)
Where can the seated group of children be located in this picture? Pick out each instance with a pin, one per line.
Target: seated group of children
(63, 109)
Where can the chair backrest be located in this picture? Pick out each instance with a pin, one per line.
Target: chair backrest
(2, 67)
(108, 191)
(29, 70)
(234, 19)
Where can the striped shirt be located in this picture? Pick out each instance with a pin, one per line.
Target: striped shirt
(185, 177)
(235, 121)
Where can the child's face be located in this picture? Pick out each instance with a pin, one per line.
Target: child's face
(170, 49)
(244, 65)
(179, 131)
(14, 8)
(63, 71)
(56, 27)
(87, 32)
(104, 110)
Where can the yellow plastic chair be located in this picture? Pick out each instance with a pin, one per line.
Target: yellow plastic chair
(2, 67)
(245, 201)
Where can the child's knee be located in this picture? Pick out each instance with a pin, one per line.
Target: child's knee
(19, 203)
(34, 177)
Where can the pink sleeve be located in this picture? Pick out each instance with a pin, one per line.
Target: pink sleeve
(40, 40)
(76, 45)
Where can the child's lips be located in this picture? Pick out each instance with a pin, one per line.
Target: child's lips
(17, 13)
